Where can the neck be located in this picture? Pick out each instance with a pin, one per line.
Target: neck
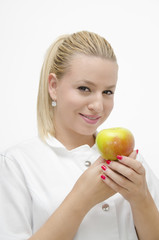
(74, 140)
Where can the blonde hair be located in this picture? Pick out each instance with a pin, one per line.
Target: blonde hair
(58, 61)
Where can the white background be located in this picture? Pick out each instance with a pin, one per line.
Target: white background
(28, 27)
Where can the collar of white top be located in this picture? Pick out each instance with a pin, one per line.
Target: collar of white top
(53, 142)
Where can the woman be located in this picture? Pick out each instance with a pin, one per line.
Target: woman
(56, 186)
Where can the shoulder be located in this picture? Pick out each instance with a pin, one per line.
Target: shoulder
(29, 147)
(26, 161)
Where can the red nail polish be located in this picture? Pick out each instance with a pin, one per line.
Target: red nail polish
(119, 157)
(137, 151)
(108, 162)
(103, 167)
(103, 177)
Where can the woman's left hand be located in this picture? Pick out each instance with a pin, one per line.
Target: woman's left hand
(127, 176)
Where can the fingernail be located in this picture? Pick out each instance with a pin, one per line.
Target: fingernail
(137, 151)
(108, 162)
(119, 157)
(103, 167)
(103, 177)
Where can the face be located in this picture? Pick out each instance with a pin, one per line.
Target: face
(84, 95)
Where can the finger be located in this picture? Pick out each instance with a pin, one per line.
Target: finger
(124, 171)
(133, 164)
(116, 181)
(110, 183)
(134, 154)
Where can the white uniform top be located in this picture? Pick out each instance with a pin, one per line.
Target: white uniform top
(35, 178)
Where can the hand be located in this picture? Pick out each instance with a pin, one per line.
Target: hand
(127, 176)
(90, 187)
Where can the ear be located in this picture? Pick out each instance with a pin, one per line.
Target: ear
(52, 85)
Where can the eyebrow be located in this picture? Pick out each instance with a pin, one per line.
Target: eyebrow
(94, 85)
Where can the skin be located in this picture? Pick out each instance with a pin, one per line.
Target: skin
(74, 97)
(127, 176)
(87, 89)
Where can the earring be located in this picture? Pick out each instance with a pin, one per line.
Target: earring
(53, 103)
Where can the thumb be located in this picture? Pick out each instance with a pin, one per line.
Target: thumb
(133, 154)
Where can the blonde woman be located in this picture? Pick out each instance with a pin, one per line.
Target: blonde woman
(56, 186)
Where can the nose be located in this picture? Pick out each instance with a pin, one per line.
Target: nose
(96, 104)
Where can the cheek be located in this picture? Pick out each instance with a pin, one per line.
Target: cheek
(112, 104)
(69, 100)
(109, 106)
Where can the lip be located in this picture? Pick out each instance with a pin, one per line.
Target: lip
(91, 119)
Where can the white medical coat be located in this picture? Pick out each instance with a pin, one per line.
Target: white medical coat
(35, 177)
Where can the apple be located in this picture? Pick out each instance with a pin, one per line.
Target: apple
(115, 141)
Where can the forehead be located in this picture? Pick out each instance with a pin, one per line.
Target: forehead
(89, 66)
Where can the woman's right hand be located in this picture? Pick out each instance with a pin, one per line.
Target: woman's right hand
(90, 188)
(86, 193)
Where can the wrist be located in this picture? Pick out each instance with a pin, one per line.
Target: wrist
(143, 203)
(78, 203)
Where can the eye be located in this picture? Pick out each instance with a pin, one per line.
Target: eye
(108, 92)
(84, 89)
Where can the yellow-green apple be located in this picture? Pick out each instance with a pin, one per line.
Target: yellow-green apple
(115, 141)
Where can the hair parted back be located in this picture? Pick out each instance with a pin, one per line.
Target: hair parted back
(58, 61)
